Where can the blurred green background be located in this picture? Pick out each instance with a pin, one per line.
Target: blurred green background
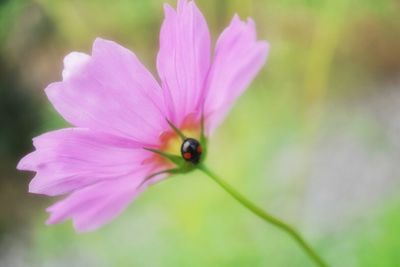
(315, 140)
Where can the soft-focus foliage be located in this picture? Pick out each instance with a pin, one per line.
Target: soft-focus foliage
(315, 139)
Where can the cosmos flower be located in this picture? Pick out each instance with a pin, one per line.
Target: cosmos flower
(128, 127)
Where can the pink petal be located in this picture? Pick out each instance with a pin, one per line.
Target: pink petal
(183, 60)
(96, 205)
(70, 159)
(110, 91)
(238, 58)
(74, 63)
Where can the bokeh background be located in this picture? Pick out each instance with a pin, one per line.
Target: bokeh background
(315, 140)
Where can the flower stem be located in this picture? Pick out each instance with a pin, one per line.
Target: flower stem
(265, 216)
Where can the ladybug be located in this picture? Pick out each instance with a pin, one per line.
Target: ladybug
(191, 150)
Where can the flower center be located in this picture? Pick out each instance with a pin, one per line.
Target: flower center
(191, 150)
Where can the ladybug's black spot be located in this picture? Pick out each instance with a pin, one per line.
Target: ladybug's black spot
(193, 148)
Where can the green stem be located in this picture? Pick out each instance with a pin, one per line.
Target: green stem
(265, 216)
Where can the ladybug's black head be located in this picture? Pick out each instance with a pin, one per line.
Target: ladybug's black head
(191, 150)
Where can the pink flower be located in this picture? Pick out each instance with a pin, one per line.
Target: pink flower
(119, 112)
